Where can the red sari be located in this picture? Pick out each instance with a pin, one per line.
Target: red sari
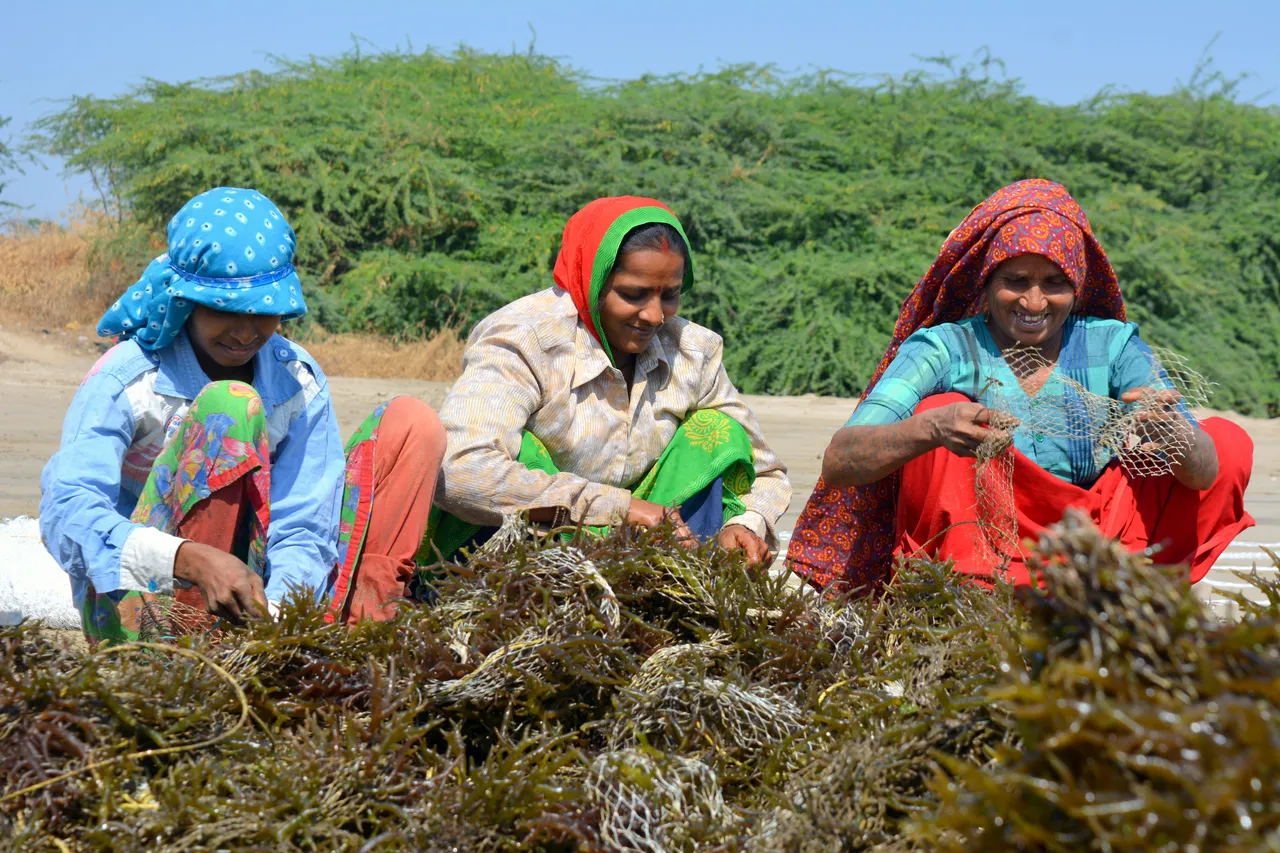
(848, 536)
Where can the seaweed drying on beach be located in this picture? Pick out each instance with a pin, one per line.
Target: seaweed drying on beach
(626, 694)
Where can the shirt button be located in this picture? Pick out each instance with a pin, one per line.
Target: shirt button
(1039, 437)
(282, 352)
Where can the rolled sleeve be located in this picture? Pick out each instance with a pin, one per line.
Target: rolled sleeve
(596, 503)
(146, 561)
(753, 521)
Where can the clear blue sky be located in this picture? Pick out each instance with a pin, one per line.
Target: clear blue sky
(1062, 51)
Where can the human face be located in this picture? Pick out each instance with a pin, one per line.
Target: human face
(228, 341)
(1028, 300)
(641, 294)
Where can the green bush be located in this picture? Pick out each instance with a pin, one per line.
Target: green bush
(428, 190)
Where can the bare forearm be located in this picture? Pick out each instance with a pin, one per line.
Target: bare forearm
(864, 454)
(1198, 467)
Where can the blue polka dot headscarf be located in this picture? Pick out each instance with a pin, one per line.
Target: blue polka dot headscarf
(229, 249)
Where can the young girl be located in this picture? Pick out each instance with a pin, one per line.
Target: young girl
(201, 463)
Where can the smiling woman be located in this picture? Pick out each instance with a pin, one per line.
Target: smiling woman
(643, 291)
(1021, 281)
(1028, 301)
(593, 400)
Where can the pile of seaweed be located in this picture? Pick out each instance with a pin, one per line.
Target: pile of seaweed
(627, 694)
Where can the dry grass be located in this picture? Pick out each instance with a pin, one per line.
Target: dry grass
(436, 358)
(49, 279)
(45, 277)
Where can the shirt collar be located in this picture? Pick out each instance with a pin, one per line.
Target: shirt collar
(654, 356)
(179, 373)
(591, 360)
(589, 357)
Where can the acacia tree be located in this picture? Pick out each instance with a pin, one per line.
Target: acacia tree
(83, 126)
(427, 190)
(8, 163)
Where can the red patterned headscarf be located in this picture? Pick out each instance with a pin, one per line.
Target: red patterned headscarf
(846, 535)
(589, 250)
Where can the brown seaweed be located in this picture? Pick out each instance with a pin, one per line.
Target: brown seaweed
(627, 694)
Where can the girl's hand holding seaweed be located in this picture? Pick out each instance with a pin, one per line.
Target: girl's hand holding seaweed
(230, 589)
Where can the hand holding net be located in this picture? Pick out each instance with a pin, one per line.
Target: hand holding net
(1148, 431)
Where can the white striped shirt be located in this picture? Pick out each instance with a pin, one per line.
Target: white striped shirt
(533, 365)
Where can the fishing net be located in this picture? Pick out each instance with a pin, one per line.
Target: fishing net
(729, 720)
(653, 803)
(165, 618)
(1147, 437)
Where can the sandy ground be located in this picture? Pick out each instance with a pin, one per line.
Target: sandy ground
(40, 374)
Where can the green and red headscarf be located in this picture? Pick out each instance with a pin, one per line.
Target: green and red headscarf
(846, 535)
(589, 250)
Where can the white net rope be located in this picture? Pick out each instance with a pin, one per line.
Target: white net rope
(1147, 436)
(649, 802)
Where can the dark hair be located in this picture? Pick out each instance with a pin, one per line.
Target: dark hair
(656, 237)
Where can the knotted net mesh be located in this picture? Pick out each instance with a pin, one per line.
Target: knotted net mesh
(649, 802)
(1147, 432)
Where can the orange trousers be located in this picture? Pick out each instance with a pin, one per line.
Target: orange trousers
(409, 450)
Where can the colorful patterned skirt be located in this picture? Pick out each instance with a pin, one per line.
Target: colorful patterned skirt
(214, 475)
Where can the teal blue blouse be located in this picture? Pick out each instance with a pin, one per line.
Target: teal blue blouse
(1105, 356)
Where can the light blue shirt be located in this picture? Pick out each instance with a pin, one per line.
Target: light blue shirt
(1106, 357)
(125, 410)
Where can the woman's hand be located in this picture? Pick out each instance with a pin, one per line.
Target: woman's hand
(644, 513)
(1168, 397)
(963, 427)
(867, 453)
(230, 589)
(1162, 428)
(1159, 425)
(737, 537)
